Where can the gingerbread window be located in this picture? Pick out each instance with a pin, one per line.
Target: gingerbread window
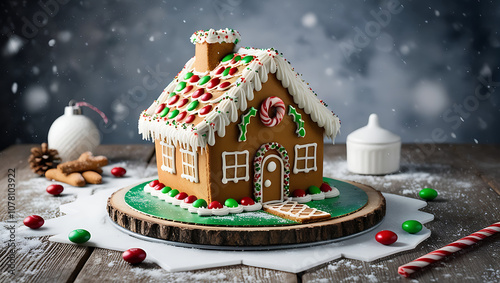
(189, 165)
(168, 157)
(235, 166)
(305, 158)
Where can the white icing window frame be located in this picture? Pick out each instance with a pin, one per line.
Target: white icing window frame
(185, 163)
(235, 179)
(166, 167)
(306, 157)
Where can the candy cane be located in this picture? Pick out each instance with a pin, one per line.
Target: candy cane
(437, 255)
(269, 102)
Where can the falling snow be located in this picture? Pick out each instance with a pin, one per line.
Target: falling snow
(52, 42)
(13, 46)
(14, 88)
(309, 20)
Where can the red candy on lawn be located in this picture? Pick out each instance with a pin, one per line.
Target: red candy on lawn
(325, 187)
(215, 205)
(134, 255)
(299, 193)
(247, 201)
(33, 221)
(190, 199)
(386, 237)
(152, 184)
(55, 189)
(159, 186)
(181, 196)
(118, 171)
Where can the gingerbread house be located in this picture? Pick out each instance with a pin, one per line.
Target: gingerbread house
(238, 124)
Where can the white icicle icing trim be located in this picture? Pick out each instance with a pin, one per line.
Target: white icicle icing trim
(216, 36)
(253, 76)
(237, 209)
(185, 205)
(304, 199)
(253, 207)
(333, 193)
(319, 196)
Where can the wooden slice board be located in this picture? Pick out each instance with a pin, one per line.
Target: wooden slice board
(370, 215)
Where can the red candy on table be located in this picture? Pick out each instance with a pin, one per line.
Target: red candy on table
(386, 237)
(118, 171)
(55, 189)
(33, 221)
(181, 196)
(153, 183)
(215, 205)
(247, 201)
(190, 199)
(299, 193)
(134, 255)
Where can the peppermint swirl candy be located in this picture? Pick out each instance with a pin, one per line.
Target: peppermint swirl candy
(266, 105)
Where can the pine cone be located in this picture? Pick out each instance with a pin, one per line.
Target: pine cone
(42, 159)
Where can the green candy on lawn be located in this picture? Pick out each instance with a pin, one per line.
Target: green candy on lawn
(313, 190)
(165, 190)
(200, 203)
(231, 202)
(173, 193)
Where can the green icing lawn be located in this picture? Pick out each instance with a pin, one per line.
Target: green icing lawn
(351, 199)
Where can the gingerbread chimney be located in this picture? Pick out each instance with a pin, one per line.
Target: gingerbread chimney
(211, 46)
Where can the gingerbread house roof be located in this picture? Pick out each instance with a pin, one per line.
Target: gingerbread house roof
(195, 105)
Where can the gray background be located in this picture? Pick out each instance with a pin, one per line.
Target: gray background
(422, 66)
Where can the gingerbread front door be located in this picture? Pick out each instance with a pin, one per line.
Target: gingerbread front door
(272, 179)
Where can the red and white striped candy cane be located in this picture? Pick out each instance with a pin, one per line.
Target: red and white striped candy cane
(437, 255)
(267, 104)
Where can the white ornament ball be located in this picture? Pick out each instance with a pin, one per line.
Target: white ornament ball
(73, 134)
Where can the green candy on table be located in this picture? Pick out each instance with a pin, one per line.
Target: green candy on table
(428, 194)
(79, 236)
(412, 226)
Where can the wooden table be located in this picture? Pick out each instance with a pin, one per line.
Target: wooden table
(466, 176)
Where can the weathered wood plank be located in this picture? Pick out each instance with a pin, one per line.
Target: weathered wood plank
(62, 262)
(465, 205)
(107, 266)
(45, 262)
(486, 160)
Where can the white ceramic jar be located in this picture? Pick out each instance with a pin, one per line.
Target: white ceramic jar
(373, 150)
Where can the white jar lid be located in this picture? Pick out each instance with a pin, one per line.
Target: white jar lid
(372, 133)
